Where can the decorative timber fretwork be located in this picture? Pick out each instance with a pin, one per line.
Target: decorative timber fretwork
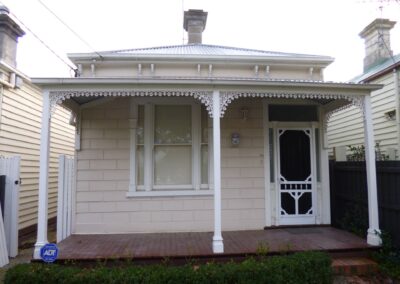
(57, 97)
(230, 96)
(205, 97)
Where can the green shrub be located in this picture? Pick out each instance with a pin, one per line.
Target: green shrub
(388, 257)
(307, 267)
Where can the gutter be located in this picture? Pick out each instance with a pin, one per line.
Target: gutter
(245, 84)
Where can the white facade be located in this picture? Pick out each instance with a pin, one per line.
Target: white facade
(141, 160)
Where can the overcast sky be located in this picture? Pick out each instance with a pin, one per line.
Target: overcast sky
(325, 27)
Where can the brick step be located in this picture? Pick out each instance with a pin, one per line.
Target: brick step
(354, 266)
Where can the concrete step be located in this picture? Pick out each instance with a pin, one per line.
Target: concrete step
(354, 266)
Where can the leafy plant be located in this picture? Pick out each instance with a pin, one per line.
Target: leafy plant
(357, 153)
(388, 257)
(355, 220)
(262, 248)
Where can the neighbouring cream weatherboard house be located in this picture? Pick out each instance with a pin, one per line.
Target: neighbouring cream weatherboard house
(200, 137)
(380, 67)
(20, 124)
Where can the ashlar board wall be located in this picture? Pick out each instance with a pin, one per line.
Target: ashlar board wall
(346, 127)
(103, 172)
(20, 125)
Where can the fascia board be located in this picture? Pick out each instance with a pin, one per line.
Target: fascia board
(322, 61)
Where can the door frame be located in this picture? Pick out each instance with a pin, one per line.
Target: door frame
(295, 220)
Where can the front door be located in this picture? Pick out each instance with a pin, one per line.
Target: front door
(296, 178)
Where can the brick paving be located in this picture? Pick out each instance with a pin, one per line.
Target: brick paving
(199, 245)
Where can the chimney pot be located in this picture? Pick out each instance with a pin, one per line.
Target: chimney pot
(194, 22)
(377, 42)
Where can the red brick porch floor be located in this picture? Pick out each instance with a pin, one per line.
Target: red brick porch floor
(175, 246)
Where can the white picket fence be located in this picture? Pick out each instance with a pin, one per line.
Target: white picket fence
(65, 186)
(10, 167)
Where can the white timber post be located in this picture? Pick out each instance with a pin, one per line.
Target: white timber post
(373, 236)
(324, 168)
(43, 176)
(218, 245)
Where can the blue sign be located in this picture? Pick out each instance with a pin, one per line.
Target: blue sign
(49, 252)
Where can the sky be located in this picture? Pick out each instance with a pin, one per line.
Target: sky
(323, 27)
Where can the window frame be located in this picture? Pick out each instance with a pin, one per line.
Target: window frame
(149, 188)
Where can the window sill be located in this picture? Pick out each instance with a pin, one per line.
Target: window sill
(170, 193)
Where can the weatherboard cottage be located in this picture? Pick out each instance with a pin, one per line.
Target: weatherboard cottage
(196, 138)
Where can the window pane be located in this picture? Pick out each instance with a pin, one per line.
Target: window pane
(140, 165)
(204, 125)
(292, 113)
(140, 124)
(204, 164)
(173, 125)
(172, 165)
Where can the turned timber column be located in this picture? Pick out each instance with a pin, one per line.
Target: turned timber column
(217, 245)
(43, 177)
(373, 237)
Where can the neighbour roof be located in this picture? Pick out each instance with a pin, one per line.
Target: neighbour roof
(377, 69)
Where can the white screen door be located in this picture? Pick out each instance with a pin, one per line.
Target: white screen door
(296, 178)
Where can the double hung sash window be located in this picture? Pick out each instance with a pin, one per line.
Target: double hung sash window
(171, 148)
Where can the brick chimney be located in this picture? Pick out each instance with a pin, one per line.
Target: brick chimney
(9, 34)
(377, 42)
(194, 22)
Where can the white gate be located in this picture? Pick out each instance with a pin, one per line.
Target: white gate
(10, 168)
(64, 207)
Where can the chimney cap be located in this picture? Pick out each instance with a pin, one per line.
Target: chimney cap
(381, 24)
(4, 10)
(194, 15)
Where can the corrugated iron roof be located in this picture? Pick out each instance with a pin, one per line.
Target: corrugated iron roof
(205, 49)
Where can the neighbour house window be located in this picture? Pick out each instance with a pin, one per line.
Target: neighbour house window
(171, 148)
